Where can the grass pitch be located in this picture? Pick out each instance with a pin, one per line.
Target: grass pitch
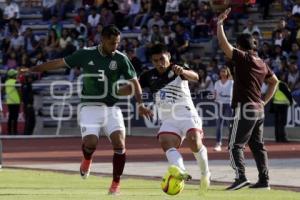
(40, 185)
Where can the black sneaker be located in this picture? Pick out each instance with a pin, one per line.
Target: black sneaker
(238, 184)
(260, 185)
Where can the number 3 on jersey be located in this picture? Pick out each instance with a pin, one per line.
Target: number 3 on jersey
(101, 75)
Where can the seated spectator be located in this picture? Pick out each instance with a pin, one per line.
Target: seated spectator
(205, 86)
(276, 58)
(288, 4)
(156, 36)
(158, 6)
(168, 35)
(107, 17)
(293, 77)
(80, 27)
(49, 9)
(181, 41)
(172, 6)
(237, 12)
(144, 37)
(279, 27)
(296, 53)
(21, 28)
(201, 30)
(133, 12)
(265, 52)
(31, 42)
(16, 41)
(251, 28)
(93, 19)
(11, 62)
(25, 61)
(97, 35)
(174, 20)
(82, 15)
(87, 3)
(286, 44)
(40, 58)
(11, 10)
(64, 40)
(144, 14)
(296, 9)
(56, 25)
(156, 20)
(110, 5)
(137, 64)
(52, 44)
(278, 38)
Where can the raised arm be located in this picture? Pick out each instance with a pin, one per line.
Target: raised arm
(223, 42)
(51, 65)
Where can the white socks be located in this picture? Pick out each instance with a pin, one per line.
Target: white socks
(175, 158)
(202, 160)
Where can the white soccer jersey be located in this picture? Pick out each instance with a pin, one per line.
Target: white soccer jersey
(171, 94)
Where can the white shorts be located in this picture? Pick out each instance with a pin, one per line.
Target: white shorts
(93, 118)
(180, 127)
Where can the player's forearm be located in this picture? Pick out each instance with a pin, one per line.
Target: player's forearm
(51, 65)
(223, 42)
(137, 91)
(190, 75)
(270, 92)
(125, 90)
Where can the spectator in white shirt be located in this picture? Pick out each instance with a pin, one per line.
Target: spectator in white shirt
(296, 9)
(223, 96)
(93, 18)
(16, 41)
(251, 28)
(11, 10)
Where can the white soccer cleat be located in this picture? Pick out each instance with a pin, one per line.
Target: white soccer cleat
(205, 182)
(179, 173)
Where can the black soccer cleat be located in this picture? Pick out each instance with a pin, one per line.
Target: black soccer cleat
(238, 184)
(261, 185)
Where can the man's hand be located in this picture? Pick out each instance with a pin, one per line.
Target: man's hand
(177, 70)
(143, 111)
(223, 15)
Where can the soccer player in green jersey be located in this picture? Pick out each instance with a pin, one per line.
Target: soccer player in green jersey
(102, 66)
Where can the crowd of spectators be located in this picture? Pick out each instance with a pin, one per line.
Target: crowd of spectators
(176, 23)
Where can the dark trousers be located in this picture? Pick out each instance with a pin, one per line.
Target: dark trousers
(13, 114)
(247, 128)
(280, 115)
(29, 120)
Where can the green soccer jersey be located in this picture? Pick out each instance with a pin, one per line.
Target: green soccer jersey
(100, 73)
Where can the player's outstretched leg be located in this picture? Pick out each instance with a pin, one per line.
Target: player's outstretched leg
(168, 143)
(88, 148)
(119, 159)
(194, 138)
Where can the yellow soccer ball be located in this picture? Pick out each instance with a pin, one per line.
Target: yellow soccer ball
(170, 185)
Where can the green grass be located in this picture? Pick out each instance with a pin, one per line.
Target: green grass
(40, 185)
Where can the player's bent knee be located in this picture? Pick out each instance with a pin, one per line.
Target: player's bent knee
(90, 141)
(118, 139)
(194, 139)
(168, 141)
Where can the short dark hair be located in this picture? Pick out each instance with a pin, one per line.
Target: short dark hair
(158, 49)
(110, 30)
(245, 41)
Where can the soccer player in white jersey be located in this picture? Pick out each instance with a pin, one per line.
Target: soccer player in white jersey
(180, 120)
